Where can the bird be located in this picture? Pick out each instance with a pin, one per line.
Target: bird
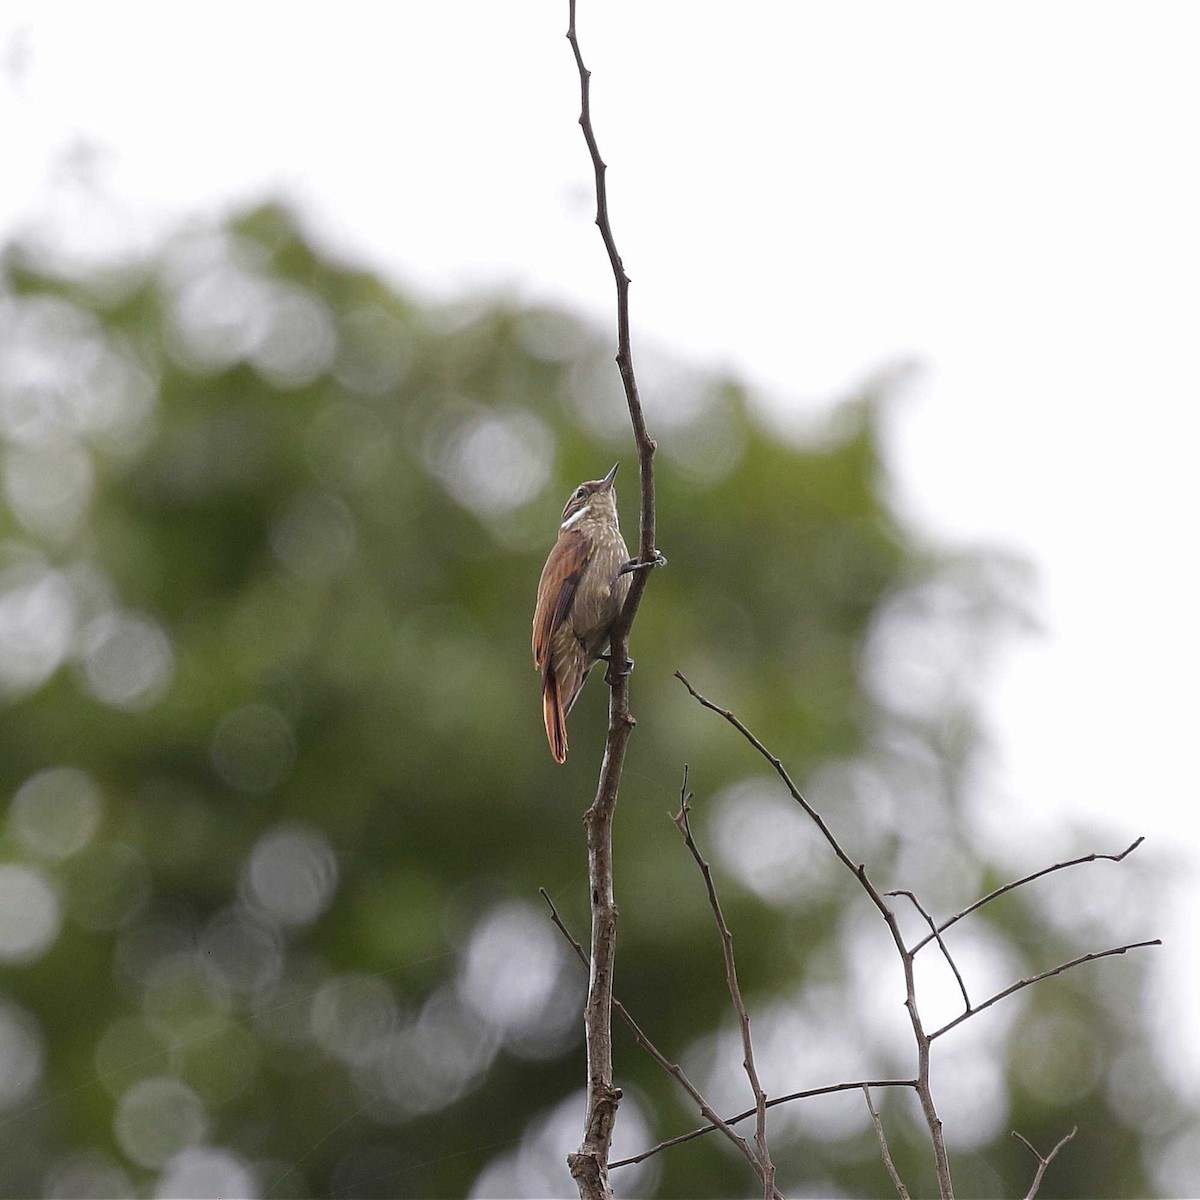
(580, 595)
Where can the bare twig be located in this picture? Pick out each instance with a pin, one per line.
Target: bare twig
(1016, 883)
(716, 1122)
(925, 1040)
(735, 992)
(859, 871)
(1024, 983)
(844, 858)
(828, 1090)
(589, 1164)
(897, 1182)
(1044, 1162)
(962, 987)
(645, 443)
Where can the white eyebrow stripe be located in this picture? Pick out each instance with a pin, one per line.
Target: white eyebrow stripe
(574, 518)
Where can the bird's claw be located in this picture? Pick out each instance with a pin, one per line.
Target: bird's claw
(610, 674)
(659, 560)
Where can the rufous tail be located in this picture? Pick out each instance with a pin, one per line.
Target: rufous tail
(556, 719)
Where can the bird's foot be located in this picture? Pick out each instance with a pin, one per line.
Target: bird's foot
(659, 560)
(612, 674)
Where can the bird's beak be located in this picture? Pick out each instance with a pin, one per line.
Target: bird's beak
(607, 481)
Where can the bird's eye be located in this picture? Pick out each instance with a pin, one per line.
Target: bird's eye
(580, 493)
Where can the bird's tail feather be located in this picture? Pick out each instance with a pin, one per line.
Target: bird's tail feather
(555, 717)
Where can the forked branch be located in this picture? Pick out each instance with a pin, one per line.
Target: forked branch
(859, 871)
(924, 1039)
(962, 987)
(1045, 1160)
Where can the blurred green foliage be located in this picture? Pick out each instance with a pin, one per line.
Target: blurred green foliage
(280, 800)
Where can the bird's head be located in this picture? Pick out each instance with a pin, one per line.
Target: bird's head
(592, 501)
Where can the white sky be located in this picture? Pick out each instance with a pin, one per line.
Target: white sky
(1007, 194)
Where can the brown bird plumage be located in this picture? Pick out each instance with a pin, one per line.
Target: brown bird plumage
(580, 595)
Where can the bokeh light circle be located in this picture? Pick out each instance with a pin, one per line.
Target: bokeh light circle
(292, 874)
(202, 1171)
(30, 913)
(127, 660)
(241, 952)
(157, 1118)
(22, 1054)
(55, 812)
(253, 748)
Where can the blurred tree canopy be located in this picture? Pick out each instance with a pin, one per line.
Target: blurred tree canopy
(278, 800)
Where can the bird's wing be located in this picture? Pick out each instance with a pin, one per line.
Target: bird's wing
(556, 590)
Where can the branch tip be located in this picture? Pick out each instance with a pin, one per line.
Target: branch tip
(1043, 1160)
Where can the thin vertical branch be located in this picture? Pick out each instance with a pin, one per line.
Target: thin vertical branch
(589, 1164)
(897, 1182)
(683, 823)
(645, 443)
